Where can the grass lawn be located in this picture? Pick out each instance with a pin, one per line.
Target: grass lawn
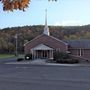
(6, 55)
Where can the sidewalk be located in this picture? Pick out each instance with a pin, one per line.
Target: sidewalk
(43, 62)
(38, 62)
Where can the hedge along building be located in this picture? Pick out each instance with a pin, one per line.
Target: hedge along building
(44, 45)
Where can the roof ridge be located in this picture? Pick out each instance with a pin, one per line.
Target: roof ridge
(33, 39)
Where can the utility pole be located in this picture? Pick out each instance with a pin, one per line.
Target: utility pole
(16, 45)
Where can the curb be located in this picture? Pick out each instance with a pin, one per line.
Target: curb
(48, 64)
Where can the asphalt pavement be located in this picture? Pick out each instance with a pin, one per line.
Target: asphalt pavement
(5, 60)
(44, 77)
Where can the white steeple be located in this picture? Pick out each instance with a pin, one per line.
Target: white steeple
(46, 29)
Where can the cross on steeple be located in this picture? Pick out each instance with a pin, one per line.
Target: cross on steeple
(46, 29)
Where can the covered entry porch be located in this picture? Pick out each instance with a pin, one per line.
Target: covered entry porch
(42, 52)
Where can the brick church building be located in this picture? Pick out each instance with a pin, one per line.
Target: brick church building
(44, 45)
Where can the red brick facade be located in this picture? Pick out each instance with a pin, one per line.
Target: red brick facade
(48, 41)
(75, 48)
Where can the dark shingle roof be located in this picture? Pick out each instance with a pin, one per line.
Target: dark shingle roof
(82, 43)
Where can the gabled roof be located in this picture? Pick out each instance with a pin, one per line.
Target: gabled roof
(46, 40)
(58, 40)
(82, 43)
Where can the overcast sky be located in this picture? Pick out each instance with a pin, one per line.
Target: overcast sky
(62, 12)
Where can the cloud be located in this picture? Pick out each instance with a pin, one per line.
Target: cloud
(68, 23)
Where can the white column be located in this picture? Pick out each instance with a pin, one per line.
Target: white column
(80, 52)
(52, 54)
(36, 54)
(47, 54)
(44, 54)
(41, 54)
(32, 53)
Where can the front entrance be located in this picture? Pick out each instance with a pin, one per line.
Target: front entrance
(42, 51)
(42, 54)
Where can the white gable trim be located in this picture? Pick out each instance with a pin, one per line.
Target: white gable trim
(42, 47)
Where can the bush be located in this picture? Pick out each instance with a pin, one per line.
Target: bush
(68, 61)
(74, 61)
(62, 57)
(28, 57)
(20, 59)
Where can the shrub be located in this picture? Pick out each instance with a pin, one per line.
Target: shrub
(68, 61)
(75, 61)
(62, 57)
(20, 59)
(28, 57)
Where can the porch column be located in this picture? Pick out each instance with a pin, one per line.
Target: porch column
(80, 52)
(52, 54)
(32, 54)
(36, 54)
(43, 54)
(47, 54)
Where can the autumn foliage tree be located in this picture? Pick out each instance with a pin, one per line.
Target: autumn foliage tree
(10, 5)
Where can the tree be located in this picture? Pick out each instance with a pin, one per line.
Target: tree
(10, 5)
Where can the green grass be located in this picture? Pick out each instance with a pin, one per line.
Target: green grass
(6, 55)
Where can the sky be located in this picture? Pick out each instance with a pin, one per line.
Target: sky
(60, 13)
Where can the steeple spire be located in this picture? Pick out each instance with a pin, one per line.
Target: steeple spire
(46, 29)
(46, 17)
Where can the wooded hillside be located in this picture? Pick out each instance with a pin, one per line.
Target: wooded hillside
(26, 33)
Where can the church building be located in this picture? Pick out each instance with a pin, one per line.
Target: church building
(44, 45)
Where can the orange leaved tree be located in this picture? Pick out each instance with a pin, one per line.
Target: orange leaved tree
(10, 5)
